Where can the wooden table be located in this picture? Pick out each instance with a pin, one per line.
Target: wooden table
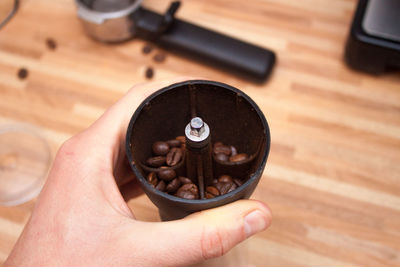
(333, 176)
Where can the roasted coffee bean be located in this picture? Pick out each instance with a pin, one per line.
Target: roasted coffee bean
(239, 157)
(221, 157)
(155, 161)
(184, 180)
(174, 143)
(160, 148)
(208, 195)
(173, 186)
(212, 190)
(218, 144)
(166, 174)
(186, 194)
(161, 186)
(191, 188)
(51, 44)
(147, 48)
(149, 73)
(225, 179)
(174, 156)
(237, 182)
(222, 149)
(224, 188)
(152, 179)
(22, 73)
(159, 57)
(181, 139)
(233, 151)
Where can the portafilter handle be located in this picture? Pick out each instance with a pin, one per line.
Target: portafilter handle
(204, 45)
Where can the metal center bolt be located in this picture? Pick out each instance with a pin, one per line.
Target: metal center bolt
(196, 126)
(197, 131)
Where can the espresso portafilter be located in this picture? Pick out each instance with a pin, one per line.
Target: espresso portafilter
(119, 20)
(204, 112)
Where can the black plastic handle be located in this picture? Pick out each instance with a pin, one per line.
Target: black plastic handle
(213, 48)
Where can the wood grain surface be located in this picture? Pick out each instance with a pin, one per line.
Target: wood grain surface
(333, 176)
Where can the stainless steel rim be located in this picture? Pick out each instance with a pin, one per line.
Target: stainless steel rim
(98, 17)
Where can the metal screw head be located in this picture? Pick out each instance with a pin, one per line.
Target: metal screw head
(197, 126)
(197, 131)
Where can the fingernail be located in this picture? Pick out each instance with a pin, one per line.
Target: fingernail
(255, 222)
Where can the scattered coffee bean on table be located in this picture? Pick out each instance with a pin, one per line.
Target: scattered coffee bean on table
(51, 44)
(147, 48)
(22, 73)
(159, 57)
(149, 73)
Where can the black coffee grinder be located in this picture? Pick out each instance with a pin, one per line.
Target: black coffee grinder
(120, 20)
(204, 112)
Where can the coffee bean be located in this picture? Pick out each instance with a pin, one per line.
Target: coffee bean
(225, 179)
(173, 186)
(160, 148)
(181, 139)
(152, 179)
(159, 57)
(222, 149)
(149, 73)
(218, 144)
(147, 48)
(22, 73)
(51, 44)
(155, 161)
(233, 151)
(174, 143)
(208, 195)
(221, 157)
(161, 186)
(186, 194)
(239, 157)
(174, 156)
(184, 180)
(237, 182)
(191, 188)
(212, 190)
(166, 174)
(224, 188)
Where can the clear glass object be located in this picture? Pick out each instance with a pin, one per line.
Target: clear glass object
(25, 157)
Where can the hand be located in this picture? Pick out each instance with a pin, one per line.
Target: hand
(81, 218)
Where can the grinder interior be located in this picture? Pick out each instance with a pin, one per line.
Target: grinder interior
(233, 119)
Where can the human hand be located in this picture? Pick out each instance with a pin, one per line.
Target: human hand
(82, 219)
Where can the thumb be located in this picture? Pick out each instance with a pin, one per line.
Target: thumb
(205, 235)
